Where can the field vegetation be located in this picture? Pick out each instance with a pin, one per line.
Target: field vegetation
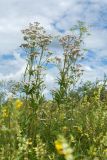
(72, 125)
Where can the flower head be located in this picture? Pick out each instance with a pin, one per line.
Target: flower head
(59, 147)
(63, 148)
(18, 104)
(4, 113)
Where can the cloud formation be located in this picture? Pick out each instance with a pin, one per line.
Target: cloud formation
(56, 16)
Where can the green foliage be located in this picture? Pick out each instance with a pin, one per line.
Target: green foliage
(71, 126)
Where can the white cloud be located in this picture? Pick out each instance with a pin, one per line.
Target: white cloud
(97, 39)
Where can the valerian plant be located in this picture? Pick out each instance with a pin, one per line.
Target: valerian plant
(36, 41)
(69, 68)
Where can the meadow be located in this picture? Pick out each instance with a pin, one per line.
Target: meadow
(72, 125)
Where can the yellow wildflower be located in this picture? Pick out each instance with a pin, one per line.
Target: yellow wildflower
(79, 129)
(92, 151)
(72, 139)
(4, 113)
(63, 148)
(18, 104)
(29, 142)
(65, 128)
(59, 147)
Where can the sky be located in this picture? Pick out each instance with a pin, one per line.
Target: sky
(56, 16)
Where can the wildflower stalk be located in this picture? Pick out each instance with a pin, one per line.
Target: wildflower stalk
(36, 42)
(68, 66)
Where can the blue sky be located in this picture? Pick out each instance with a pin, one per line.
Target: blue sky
(56, 16)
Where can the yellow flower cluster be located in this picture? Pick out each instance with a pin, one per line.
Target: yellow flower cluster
(63, 148)
(4, 113)
(18, 104)
(29, 141)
